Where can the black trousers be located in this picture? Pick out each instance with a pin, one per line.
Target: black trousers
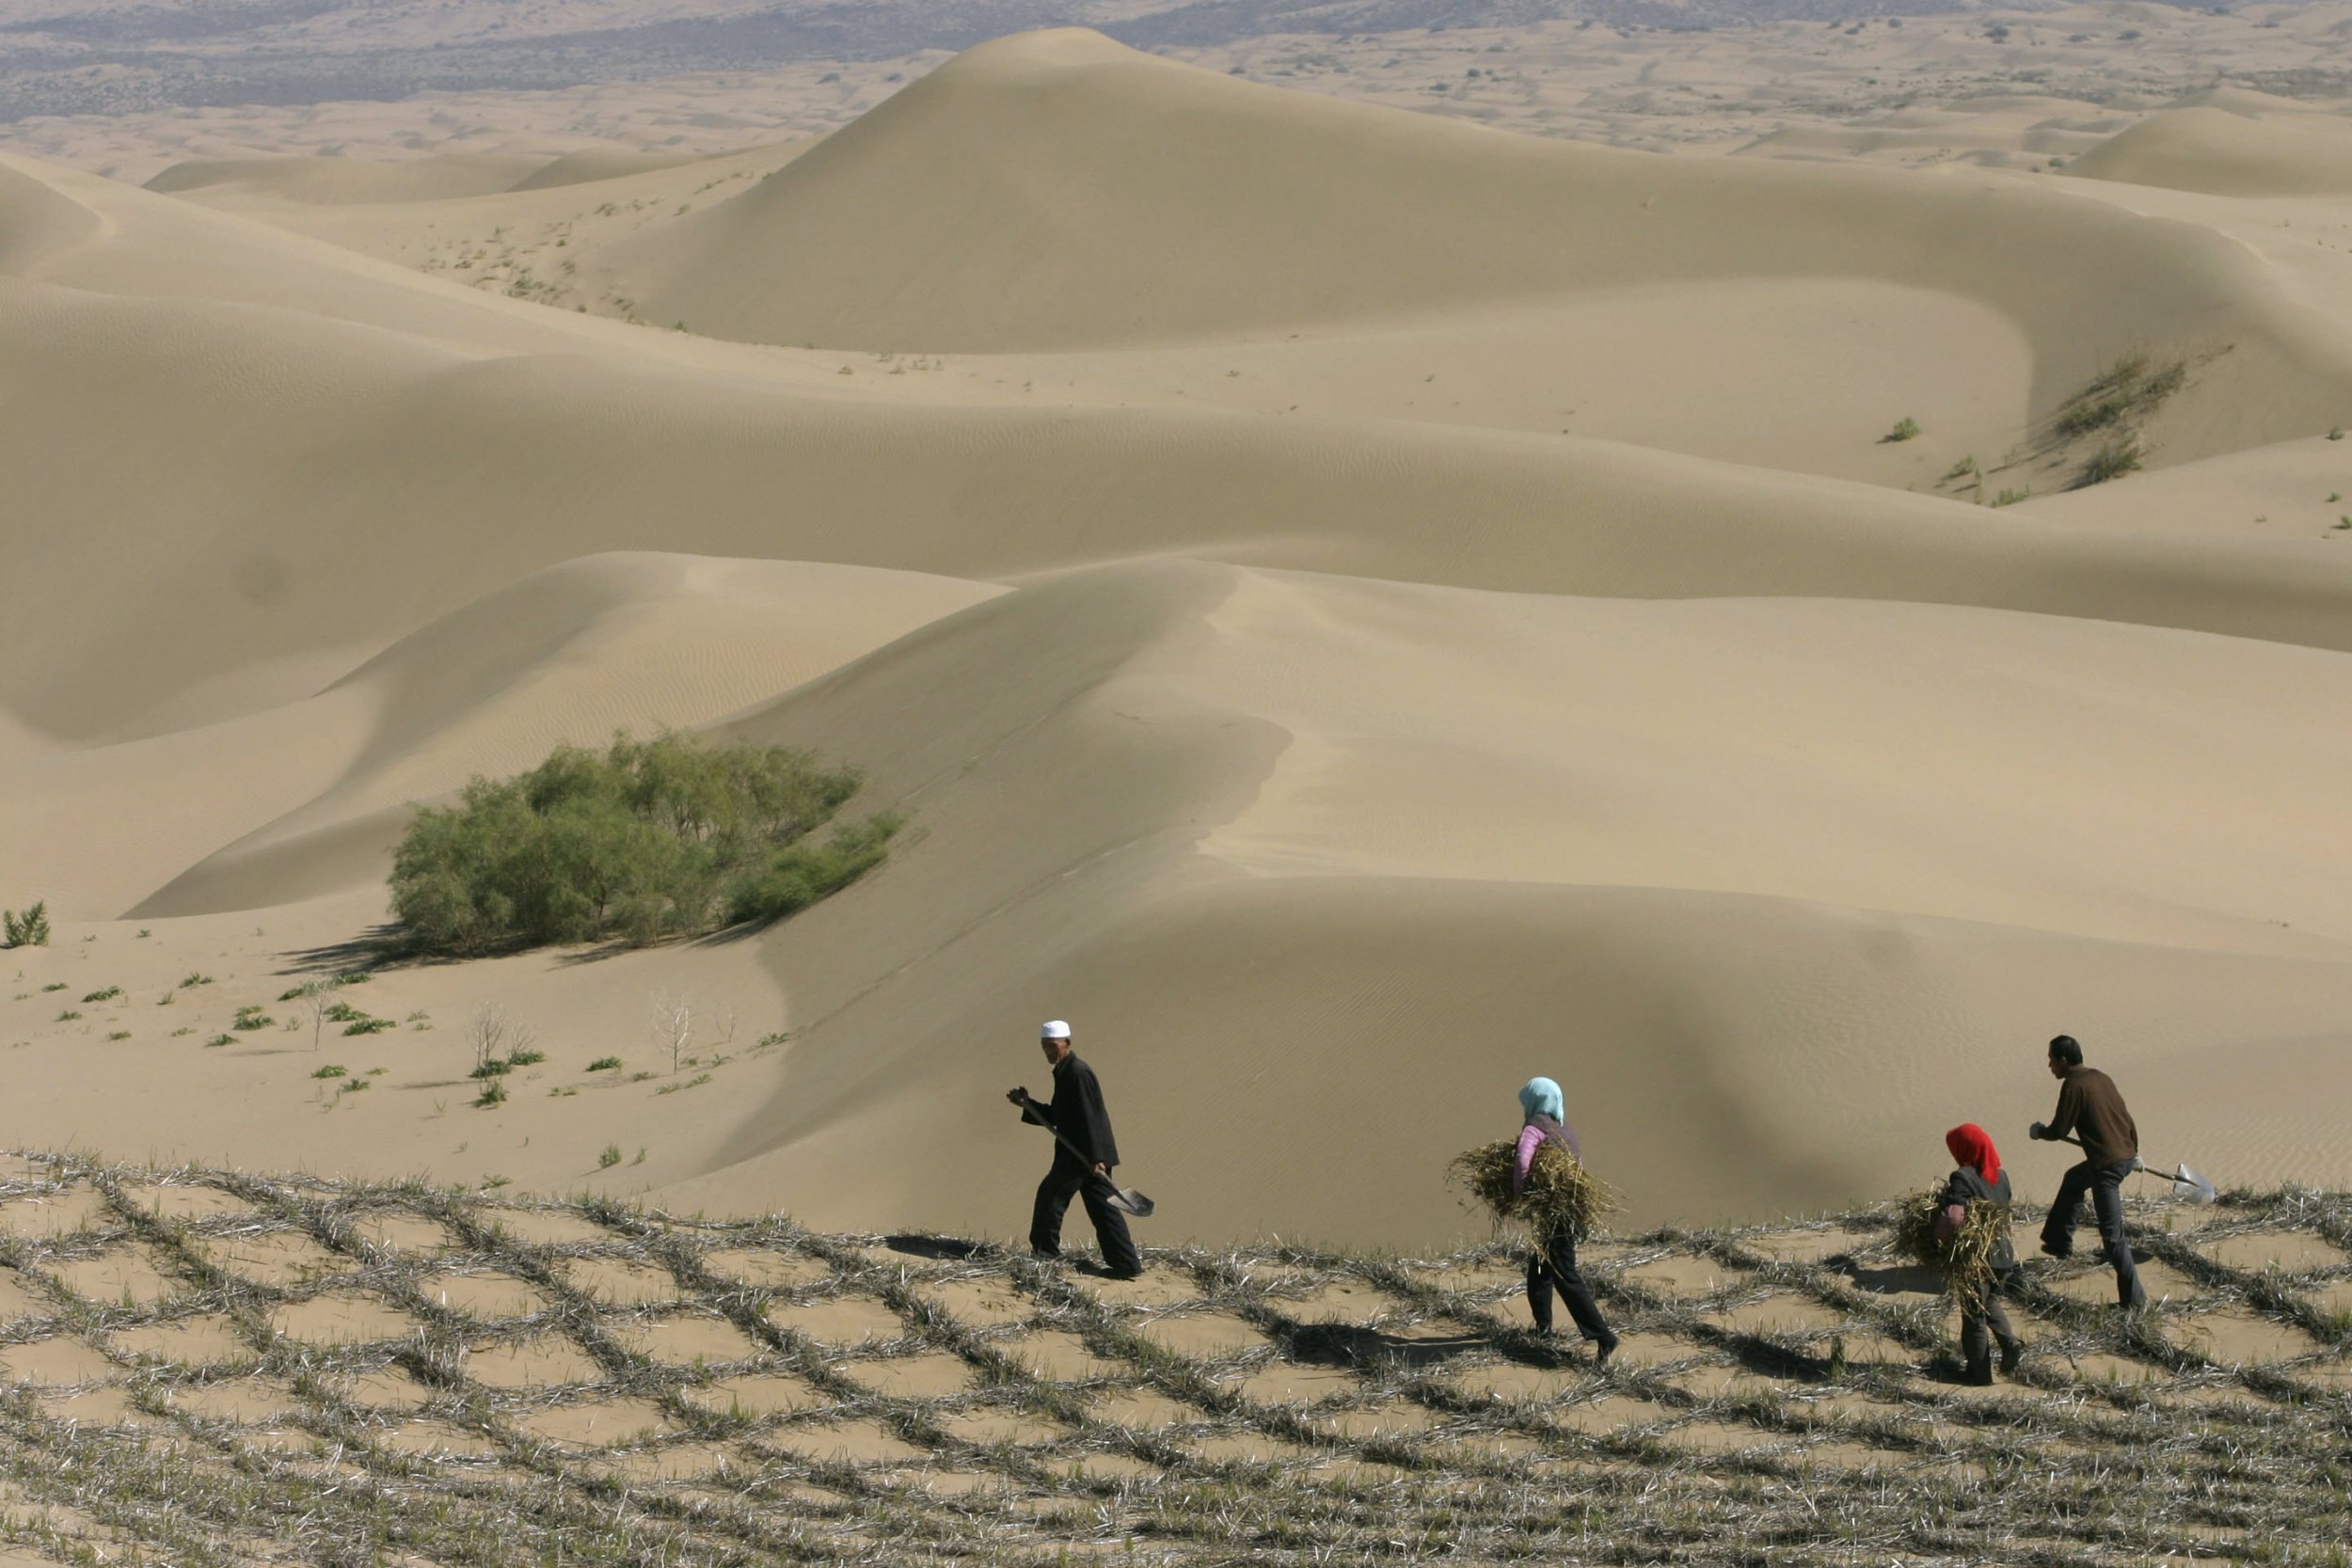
(1068, 1179)
(1982, 1321)
(1553, 1268)
(2105, 1184)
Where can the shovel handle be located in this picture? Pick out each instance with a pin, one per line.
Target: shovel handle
(1028, 1102)
(2139, 1166)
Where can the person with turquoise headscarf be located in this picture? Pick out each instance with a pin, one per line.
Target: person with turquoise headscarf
(1551, 1266)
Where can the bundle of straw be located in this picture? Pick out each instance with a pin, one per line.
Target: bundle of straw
(1560, 1193)
(1965, 1262)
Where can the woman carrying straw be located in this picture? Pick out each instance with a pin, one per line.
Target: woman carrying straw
(1980, 1179)
(1552, 1264)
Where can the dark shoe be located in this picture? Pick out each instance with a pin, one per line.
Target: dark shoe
(2012, 1351)
(1978, 1374)
(2051, 1249)
(1602, 1351)
(1122, 1273)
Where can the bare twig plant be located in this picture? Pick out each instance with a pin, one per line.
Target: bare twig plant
(497, 1035)
(673, 1026)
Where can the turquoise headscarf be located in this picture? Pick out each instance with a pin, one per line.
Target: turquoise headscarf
(1542, 1096)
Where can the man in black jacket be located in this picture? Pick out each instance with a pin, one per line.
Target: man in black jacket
(1076, 1112)
(2092, 1109)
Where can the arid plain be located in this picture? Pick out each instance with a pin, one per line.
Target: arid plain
(1365, 593)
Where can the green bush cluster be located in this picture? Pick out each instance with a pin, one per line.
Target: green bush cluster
(639, 842)
(29, 929)
(2132, 386)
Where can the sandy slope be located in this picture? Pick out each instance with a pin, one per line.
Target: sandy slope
(1361, 609)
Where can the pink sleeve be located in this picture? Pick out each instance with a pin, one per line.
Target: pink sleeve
(1531, 1139)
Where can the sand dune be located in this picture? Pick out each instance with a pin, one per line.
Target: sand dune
(1056, 191)
(1361, 608)
(2211, 150)
(337, 180)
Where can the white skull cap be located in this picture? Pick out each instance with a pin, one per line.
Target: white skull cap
(1056, 1029)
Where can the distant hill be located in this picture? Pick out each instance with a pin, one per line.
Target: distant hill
(97, 56)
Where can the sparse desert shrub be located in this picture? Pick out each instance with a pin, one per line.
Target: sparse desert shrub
(220, 1040)
(497, 1067)
(252, 1017)
(611, 1157)
(107, 994)
(119, 1034)
(54, 984)
(2131, 387)
(29, 929)
(2113, 460)
(190, 981)
(2011, 498)
(1906, 429)
(330, 1070)
(639, 842)
(605, 1064)
(68, 1016)
(369, 1025)
(2335, 433)
(493, 1093)
(525, 1058)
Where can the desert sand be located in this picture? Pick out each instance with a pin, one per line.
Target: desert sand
(1360, 605)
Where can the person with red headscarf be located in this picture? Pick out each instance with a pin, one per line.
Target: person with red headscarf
(1978, 1177)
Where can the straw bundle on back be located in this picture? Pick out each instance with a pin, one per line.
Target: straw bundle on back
(1560, 1192)
(1965, 1262)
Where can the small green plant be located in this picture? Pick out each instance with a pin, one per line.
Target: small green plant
(420, 1020)
(341, 1012)
(694, 1083)
(185, 1029)
(774, 1037)
(611, 1157)
(330, 1070)
(2334, 496)
(250, 1018)
(190, 981)
(54, 984)
(218, 1040)
(2011, 498)
(605, 1064)
(29, 929)
(369, 1025)
(493, 1093)
(640, 1158)
(497, 1067)
(2336, 434)
(525, 1058)
(1906, 429)
(108, 994)
(2344, 522)
(119, 1034)
(2113, 460)
(68, 1016)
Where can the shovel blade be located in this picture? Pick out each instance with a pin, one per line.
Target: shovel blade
(2190, 1187)
(1127, 1200)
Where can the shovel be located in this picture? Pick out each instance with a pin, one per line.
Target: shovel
(2188, 1185)
(1125, 1199)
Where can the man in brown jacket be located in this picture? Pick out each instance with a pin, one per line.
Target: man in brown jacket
(2090, 1107)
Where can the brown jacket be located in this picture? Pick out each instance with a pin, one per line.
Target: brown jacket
(2090, 1107)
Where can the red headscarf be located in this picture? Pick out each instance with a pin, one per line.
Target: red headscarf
(1972, 1145)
